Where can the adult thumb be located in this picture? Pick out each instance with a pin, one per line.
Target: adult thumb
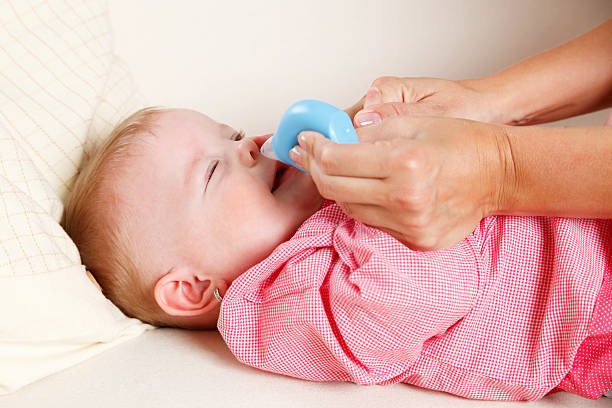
(377, 113)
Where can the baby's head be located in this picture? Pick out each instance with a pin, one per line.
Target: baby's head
(176, 205)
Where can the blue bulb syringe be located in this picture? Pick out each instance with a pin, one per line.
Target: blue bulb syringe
(308, 114)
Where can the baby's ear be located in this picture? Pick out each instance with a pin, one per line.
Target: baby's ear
(184, 292)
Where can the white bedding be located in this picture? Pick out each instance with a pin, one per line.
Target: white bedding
(61, 90)
(173, 368)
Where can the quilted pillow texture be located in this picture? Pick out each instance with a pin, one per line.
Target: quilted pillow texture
(61, 91)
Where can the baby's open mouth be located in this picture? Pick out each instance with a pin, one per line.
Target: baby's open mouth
(283, 173)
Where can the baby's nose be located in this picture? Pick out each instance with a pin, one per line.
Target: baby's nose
(248, 152)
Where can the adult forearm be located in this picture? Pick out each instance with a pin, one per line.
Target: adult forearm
(557, 172)
(568, 80)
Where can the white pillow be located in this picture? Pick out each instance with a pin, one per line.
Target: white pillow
(61, 91)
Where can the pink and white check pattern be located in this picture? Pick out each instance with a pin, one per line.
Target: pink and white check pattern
(499, 316)
(591, 373)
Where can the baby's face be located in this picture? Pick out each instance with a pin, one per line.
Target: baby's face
(205, 197)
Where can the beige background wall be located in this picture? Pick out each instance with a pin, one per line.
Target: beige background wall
(243, 62)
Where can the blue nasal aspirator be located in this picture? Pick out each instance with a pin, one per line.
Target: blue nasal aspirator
(308, 114)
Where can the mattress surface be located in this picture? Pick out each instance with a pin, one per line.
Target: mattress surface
(174, 368)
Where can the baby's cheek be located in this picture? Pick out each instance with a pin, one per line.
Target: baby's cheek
(248, 208)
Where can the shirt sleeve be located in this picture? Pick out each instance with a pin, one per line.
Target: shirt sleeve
(356, 306)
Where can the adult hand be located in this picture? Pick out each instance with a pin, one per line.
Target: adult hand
(357, 107)
(392, 96)
(426, 181)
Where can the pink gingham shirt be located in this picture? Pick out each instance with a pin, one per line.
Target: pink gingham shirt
(498, 316)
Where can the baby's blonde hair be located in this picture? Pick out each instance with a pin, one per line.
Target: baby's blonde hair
(96, 221)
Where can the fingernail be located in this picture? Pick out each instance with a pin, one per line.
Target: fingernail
(296, 154)
(367, 118)
(304, 136)
(373, 97)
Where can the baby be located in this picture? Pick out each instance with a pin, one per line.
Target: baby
(175, 208)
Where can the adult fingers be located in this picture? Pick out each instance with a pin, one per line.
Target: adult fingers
(369, 160)
(406, 90)
(355, 108)
(414, 234)
(373, 215)
(395, 129)
(388, 89)
(377, 113)
(348, 189)
(372, 97)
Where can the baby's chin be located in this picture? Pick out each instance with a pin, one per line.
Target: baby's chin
(296, 192)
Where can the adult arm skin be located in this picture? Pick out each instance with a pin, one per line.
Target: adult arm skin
(559, 171)
(568, 80)
(563, 172)
(431, 180)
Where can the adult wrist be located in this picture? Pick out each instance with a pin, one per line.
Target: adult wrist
(507, 183)
(496, 98)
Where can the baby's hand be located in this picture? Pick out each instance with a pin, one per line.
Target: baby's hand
(392, 96)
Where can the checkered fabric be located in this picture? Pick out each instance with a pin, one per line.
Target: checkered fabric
(499, 316)
(591, 373)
